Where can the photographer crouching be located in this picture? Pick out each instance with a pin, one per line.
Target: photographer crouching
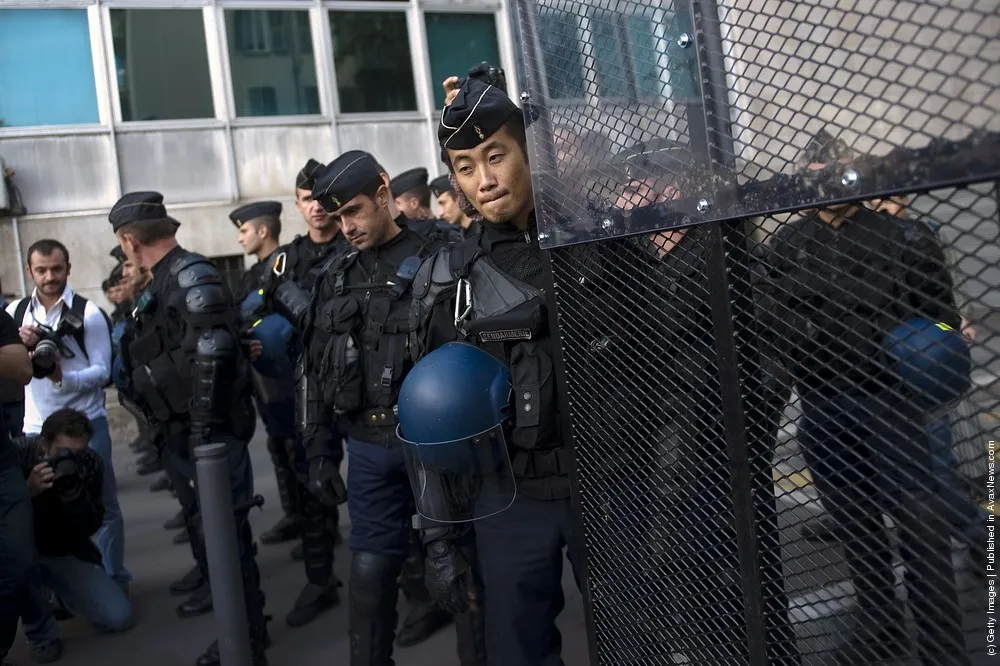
(66, 481)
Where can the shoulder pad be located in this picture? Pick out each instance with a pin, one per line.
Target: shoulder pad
(434, 274)
(200, 271)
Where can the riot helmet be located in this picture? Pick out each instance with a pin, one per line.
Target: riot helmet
(930, 361)
(453, 408)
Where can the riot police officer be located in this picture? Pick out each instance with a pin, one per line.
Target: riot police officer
(301, 262)
(357, 356)
(412, 196)
(259, 226)
(840, 285)
(451, 209)
(183, 355)
(683, 455)
(503, 309)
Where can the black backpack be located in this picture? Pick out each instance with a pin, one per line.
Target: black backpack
(78, 308)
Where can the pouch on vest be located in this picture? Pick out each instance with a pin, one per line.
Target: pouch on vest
(534, 392)
(340, 368)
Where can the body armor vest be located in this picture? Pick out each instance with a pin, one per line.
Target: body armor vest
(505, 317)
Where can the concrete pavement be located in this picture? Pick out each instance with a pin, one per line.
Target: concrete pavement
(160, 638)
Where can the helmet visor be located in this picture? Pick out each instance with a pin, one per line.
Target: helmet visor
(462, 480)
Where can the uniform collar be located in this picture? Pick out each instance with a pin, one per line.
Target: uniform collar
(164, 264)
(507, 232)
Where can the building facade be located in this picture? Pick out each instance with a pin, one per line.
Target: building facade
(214, 103)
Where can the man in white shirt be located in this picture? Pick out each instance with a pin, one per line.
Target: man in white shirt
(77, 379)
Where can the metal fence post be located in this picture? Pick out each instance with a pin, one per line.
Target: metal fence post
(217, 511)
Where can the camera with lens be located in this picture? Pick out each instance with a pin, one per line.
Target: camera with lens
(50, 344)
(488, 74)
(67, 478)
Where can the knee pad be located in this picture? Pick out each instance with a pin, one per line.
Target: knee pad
(373, 585)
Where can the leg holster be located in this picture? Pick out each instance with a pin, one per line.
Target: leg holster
(373, 593)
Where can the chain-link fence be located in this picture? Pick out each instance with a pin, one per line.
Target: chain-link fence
(773, 232)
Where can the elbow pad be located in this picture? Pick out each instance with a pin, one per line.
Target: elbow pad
(214, 372)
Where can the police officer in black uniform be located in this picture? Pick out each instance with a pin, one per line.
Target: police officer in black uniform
(357, 353)
(834, 283)
(188, 372)
(451, 207)
(413, 200)
(300, 263)
(520, 549)
(259, 226)
(682, 455)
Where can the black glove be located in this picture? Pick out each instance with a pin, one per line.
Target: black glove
(448, 576)
(326, 483)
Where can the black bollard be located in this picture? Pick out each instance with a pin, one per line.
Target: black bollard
(217, 510)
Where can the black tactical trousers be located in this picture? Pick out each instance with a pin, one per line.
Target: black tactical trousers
(521, 553)
(181, 468)
(868, 455)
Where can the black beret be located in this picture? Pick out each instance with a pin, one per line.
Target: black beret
(653, 159)
(118, 254)
(440, 185)
(345, 178)
(477, 111)
(253, 211)
(408, 180)
(307, 175)
(139, 207)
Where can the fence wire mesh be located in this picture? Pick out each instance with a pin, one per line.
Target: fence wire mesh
(774, 239)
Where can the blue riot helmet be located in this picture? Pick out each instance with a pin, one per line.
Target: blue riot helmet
(453, 408)
(930, 360)
(281, 346)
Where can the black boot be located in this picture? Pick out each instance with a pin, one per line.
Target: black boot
(161, 484)
(298, 553)
(148, 466)
(372, 616)
(181, 537)
(175, 523)
(288, 527)
(191, 581)
(199, 603)
(312, 601)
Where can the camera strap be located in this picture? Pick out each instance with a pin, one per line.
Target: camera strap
(78, 308)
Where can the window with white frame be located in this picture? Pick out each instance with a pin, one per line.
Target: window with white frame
(371, 55)
(260, 32)
(46, 69)
(455, 43)
(272, 50)
(161, 61)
